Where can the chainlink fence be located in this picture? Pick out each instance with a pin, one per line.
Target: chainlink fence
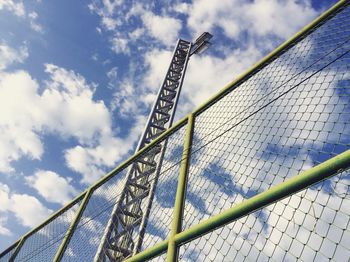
(288, 118)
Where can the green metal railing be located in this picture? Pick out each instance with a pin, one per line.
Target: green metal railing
(306, 179)
(240, 171)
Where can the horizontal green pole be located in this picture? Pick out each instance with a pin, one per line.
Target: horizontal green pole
(149, 252)
(273, 55)
(293, 185)
(73, 226)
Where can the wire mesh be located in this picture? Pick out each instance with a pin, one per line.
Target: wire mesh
(161, 213)
(6, 255)
(160, 258)
(87, 237)
(43, 244)
(293, 114)
(312, 225)
(289, 116)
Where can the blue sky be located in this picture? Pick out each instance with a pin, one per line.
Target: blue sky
(77, 80)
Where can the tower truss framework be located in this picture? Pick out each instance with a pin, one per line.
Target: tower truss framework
(125, 229)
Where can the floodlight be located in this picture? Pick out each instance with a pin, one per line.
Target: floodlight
(201, 44)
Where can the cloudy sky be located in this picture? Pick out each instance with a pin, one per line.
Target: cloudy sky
(77, 80)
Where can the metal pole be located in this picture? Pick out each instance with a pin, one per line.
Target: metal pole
(18, 248)
(181, 191)
(73, 226)
(292, 186)
(150, 253)
(8, 250)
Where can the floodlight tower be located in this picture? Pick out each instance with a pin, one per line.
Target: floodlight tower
(125, 229)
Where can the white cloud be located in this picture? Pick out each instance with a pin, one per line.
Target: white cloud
(65, 106)
(108, 7)
(16, 7)
(182, 8)
(276, 17)
(109, 23)
(163, 28)
(120, 45)
(112, 75)
(19, 119)
(126, 102)
(3, 230)
(9, 55)
(69, 104)
(53, 187)
(116, 18)
(33, 16)
(105, 10)
(27, 209)
(136, 34)
(281, 18)
(205, 74)
(92, 162)
(157, 62)
(95, 57)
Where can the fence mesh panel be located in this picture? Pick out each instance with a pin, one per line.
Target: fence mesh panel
(87, 237)
(43, 244)
(6, 255)
(160, 258)
(312, 225)
(161, 213)
(274, 126)
(289, 116)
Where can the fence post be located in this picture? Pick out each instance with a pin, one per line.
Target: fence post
(73, 226)
(18, 247)
(181, 191)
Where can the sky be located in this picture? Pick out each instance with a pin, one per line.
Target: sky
(78, 78)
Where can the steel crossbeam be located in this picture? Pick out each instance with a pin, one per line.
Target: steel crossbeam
(125, 230)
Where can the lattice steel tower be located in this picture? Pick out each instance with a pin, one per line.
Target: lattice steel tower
(126, 227)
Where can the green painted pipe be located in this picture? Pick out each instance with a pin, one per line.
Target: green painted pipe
(7, 250)
(181, 191)
(73, 226)
(48, 220)
(293, 185)
(18, 248)
(150, 252)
